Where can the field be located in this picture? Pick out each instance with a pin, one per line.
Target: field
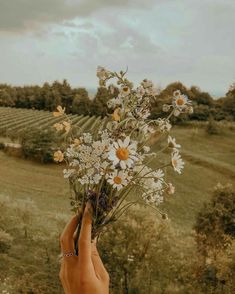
(13, 122)
(34, 203)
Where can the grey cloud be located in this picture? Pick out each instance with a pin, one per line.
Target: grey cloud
(18, 15)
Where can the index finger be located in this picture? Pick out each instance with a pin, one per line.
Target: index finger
(85, 236)
(66, 238)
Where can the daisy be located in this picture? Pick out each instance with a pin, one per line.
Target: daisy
(176, 93)
(172, 143)
(118, 179)
(177, 162)
(159, 174)
(123, 153)
(58, 156)
(125, 91)
(181, 101)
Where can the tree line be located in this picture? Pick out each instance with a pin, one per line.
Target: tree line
(77, 100)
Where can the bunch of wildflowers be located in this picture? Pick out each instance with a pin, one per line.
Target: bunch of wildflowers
(105, 167)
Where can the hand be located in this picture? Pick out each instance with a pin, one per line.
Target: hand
(85, 273)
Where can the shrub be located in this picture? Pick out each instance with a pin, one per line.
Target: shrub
(39, 144)
(215, 234)
(141, 255)
(212, 127)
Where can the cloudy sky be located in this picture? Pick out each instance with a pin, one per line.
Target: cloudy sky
(164, 40)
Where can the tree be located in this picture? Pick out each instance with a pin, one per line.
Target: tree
(81, 105)
(99, 104)
(215, 233)
(228, 105)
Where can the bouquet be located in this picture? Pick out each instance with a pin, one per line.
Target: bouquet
(106, 166)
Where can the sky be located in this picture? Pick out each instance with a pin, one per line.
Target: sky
(163, 40)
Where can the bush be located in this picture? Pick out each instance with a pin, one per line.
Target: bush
(215, 237)
(142, 255)
(39, 144)
(212, 127)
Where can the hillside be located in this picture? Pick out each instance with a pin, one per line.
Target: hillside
(34, 201)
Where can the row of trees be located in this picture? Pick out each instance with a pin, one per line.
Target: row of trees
(77, 100)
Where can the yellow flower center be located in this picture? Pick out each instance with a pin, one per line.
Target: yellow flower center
(125, 89)
(122, 153)
(174, 162)
(117, 180)
(180, 101)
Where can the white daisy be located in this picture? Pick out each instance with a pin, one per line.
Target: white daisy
(181, 101)
(159, 174)
(176, 93)
(119, 179)
(177, 162)
(123, 153)
(125, 91)
(172, 143)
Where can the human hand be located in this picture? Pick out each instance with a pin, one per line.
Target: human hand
(85, 273)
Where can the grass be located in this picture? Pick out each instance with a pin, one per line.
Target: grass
(209, 160)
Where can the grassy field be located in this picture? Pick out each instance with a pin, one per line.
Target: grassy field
(34, 205)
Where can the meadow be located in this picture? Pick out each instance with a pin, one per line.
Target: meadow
(34, 207)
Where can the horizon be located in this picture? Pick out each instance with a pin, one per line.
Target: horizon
(92, 90)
